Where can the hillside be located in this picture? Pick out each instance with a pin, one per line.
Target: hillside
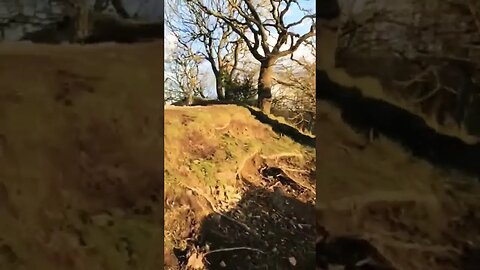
(237, 193)
(387, 209)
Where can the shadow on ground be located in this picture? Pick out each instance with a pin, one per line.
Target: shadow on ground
(271, 230)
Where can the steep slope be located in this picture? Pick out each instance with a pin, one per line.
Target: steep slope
(380, 203)
(237, 194)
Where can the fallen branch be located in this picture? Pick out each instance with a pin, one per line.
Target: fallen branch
(276, 156)
(294, 170)
(233, 249)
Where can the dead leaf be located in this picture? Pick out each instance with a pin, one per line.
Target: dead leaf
(195, 261)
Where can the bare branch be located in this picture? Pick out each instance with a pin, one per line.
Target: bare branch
(297, 44)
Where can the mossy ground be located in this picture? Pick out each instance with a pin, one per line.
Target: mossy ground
(214, 155)
(80, 156)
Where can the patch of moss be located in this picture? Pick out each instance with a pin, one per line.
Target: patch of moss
(231, 145)
(205, 169)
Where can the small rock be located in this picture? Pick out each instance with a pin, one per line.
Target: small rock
(292, 261)
(223, 264)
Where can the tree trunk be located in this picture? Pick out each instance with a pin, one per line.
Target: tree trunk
(82, 22)
(265, 80)
(219, 87)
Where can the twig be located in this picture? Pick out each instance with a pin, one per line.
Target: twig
(294, 170)
(275, 156)
(438, 87)
(419, 77)
(233, 249)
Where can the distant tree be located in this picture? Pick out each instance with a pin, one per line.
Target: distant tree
(183, 82)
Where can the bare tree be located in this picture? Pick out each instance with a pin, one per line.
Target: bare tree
(254, 22)
(182, 82)
(212, 39)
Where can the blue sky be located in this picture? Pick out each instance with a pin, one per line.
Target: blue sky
(293, 15)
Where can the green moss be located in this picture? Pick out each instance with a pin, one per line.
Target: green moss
(205, 170)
